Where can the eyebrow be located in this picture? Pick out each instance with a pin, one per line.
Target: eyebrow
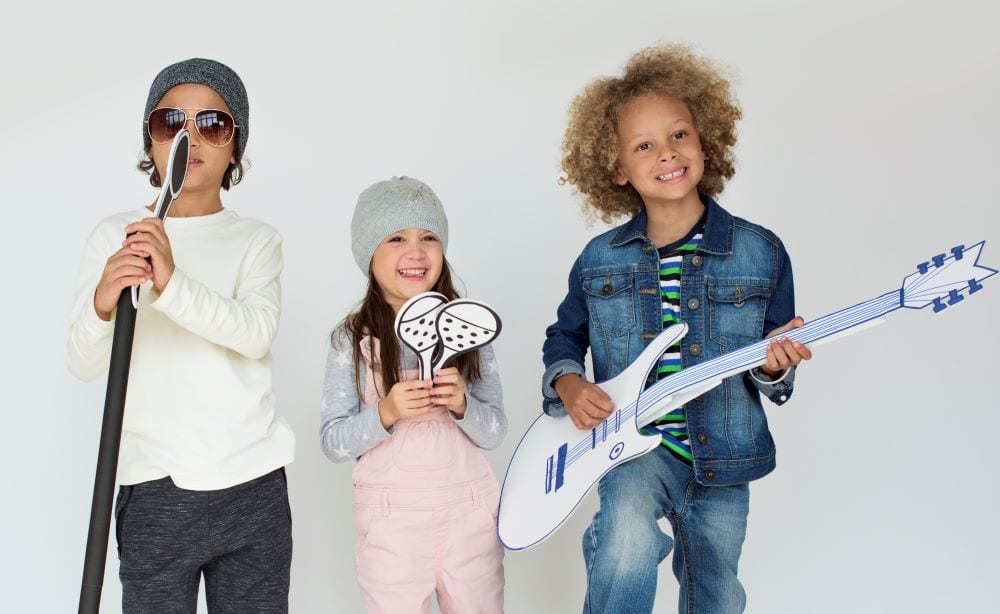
(673, 126)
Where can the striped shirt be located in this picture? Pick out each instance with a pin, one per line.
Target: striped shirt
(673, 426)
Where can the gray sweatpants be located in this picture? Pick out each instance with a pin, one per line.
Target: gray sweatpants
(240, 538)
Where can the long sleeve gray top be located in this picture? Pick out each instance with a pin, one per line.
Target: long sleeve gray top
(349, 427)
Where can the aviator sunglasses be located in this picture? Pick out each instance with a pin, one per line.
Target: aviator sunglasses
(215, 126)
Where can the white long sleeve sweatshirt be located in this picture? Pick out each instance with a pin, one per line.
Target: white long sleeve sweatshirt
(199, 407)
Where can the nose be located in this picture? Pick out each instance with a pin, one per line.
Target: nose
(667, 153)
(192, 131)
(415, 251)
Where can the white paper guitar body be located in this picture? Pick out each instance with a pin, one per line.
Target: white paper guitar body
(439, 331)
(555, 464)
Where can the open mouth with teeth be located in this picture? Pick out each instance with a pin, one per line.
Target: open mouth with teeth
(416, 273)
(672, 175)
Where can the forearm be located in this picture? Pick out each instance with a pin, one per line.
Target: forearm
(247, 327)
(346, 437)
(484, 420)
(88, 339)
(88, 343)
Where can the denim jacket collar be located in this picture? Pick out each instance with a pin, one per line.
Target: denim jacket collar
(716, 239)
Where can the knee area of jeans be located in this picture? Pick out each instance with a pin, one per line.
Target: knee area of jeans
(627, 543)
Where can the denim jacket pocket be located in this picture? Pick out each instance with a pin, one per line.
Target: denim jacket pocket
(610, 301)
(736, 311)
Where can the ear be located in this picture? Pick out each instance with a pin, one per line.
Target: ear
(620, 178)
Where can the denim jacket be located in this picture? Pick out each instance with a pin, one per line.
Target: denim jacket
(735, 288)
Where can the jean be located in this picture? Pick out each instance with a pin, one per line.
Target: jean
(623, 545)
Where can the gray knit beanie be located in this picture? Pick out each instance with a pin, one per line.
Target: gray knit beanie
(215, 75)
(391, 206)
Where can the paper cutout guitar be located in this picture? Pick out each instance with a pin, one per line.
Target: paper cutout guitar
(439, 331)
(555, 465)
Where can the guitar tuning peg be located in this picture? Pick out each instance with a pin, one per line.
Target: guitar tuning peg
(958, 251)
(938, 305)
(923, 267)
(974, 286)
(938, 260)
(954, 297)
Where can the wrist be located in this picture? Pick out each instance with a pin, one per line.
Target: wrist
(563, 381)
(460, 410)
(102, 313)
(759, 373)
(161, 286)
(385, 416)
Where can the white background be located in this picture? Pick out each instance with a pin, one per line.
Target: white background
(869, 144)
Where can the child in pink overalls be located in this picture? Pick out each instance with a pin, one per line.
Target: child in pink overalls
(425, 498)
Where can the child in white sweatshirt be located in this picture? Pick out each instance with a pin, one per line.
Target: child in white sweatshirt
(203, 490)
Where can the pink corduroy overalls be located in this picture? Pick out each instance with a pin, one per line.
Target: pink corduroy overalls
(425, 506)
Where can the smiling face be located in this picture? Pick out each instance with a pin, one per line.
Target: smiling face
(207, 164)
(659, 150)
(407, 263)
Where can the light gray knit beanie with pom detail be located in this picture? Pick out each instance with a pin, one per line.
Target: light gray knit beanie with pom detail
(390, 206)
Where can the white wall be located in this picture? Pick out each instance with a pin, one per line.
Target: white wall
(869, 144)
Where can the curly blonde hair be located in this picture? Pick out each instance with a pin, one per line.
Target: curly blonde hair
(590, 145)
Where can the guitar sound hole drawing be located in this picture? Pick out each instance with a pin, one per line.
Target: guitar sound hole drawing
(555, 465)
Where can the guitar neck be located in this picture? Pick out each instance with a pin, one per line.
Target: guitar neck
(756, 353)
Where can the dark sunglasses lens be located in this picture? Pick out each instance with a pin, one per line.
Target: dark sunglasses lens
(164, 124)
(216, 127)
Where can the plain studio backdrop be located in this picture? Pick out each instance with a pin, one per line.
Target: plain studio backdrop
(869, 144)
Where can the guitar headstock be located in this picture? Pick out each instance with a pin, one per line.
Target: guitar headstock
(942, 280)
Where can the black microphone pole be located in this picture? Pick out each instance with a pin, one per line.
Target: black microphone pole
(114, 401)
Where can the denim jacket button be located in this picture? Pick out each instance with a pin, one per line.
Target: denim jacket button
(697, 260)
(695, 349)
(703, 438)
(693, 303)
(710, 474)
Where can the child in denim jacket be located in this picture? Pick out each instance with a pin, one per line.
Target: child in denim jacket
(656, 145)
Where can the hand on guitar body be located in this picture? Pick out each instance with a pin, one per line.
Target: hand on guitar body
(586, 404)
(782, 352)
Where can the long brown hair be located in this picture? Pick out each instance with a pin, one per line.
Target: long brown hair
(375, 317)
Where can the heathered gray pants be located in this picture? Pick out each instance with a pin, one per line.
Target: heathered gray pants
(240, 538)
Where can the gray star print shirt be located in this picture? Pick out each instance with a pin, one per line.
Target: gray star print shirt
(349, 427)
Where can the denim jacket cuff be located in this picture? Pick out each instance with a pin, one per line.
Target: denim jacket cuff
(778, 390)
(763, 378)
(552, 404)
